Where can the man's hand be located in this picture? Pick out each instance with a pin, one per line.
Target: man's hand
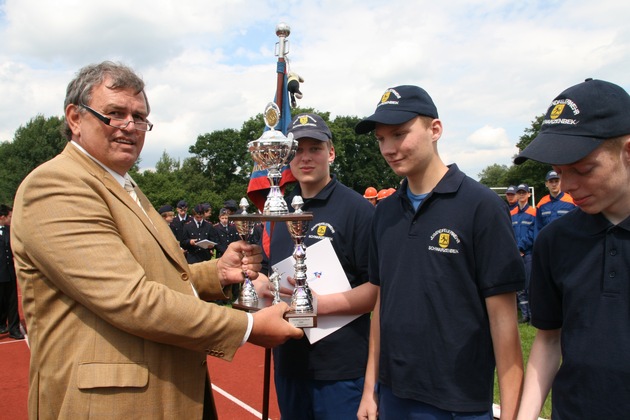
(264, 288)
(239, 257)
(270, 329)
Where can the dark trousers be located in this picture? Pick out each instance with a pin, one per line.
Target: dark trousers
(9, 314)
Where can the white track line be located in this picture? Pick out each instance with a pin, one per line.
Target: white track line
(237, 401)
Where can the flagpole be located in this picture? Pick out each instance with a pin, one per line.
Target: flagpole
(282, 49)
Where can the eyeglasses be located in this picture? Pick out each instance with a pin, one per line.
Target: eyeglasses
(119, 123)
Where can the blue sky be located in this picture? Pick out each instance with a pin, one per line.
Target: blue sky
(491, 67)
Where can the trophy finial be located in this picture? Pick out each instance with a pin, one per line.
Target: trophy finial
(283, 30)
(297, 204)
(243, 204)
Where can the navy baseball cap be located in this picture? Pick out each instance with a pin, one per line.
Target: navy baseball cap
(310, 126)
(165, 208)
(578, 121)
(522, 187)
(397, 106)
(511, 190)
(552, 175)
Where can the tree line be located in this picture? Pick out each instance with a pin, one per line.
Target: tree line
(219, 164)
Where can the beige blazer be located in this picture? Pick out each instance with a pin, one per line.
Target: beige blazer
(114, 328)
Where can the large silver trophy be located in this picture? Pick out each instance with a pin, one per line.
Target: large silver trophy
(244, 227)
(272, 151)
(302, 312)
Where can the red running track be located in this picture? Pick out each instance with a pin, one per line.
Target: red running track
(237, 385)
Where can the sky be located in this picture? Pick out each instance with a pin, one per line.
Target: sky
(491, 67)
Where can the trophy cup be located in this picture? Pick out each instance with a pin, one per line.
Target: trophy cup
(302, 313)
(244, 228)
(272, 151)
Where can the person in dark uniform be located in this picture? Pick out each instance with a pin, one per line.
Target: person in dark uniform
(226, 232)
(182, 217)
(197, 230)
(324, 380)
(444, 258)
(580, 288)
(9, 314)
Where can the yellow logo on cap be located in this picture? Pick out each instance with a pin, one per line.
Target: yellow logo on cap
(557, 111)
(321, 230)
(303, 119)
(385, 96)
(444, 240)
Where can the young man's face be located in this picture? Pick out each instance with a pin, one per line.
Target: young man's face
(311, 164)
(169, 216)
(223, 219)
(523, 197)
(600, 183)
(553, 185)
(6, 220)
(182, 211)
(511, 198)
(408, 148)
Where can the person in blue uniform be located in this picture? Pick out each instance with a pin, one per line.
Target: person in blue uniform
(510, 196)
(524, 224)
(555, 204)
(580, 288)
(324, 380)
(447, 279)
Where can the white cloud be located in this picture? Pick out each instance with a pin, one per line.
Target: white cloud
(491, 68)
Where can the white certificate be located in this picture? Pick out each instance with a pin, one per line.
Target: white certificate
(325, 275)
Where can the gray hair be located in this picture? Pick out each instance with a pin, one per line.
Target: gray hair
(79, 90)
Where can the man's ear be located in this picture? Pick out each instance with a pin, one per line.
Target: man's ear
(625, 150)
(436, 127)
(73, 118)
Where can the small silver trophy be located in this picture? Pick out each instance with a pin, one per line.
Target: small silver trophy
(244, 228)
(272, 151)
(274, 279)
(302, 312)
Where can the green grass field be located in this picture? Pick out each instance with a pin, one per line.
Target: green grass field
(527, 338)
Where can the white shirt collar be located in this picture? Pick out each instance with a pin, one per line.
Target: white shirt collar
(119, 178)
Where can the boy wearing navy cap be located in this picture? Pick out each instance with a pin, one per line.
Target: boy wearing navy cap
(510, 196)
(444, 258)
(524, 224)
(324, 380)
(580, 290)
(555, 204)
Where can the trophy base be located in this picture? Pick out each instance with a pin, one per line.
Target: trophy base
(299, 320)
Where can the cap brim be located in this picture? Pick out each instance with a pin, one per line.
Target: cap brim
(310, 134)
(557, 149)
(383, 117)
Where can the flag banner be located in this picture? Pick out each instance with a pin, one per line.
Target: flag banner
(259, 185)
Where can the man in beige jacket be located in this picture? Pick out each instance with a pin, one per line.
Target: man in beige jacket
(116, 318)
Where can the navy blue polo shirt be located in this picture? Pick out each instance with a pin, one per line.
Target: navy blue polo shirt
(342, 216)
(580, 283)
(435, 267)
